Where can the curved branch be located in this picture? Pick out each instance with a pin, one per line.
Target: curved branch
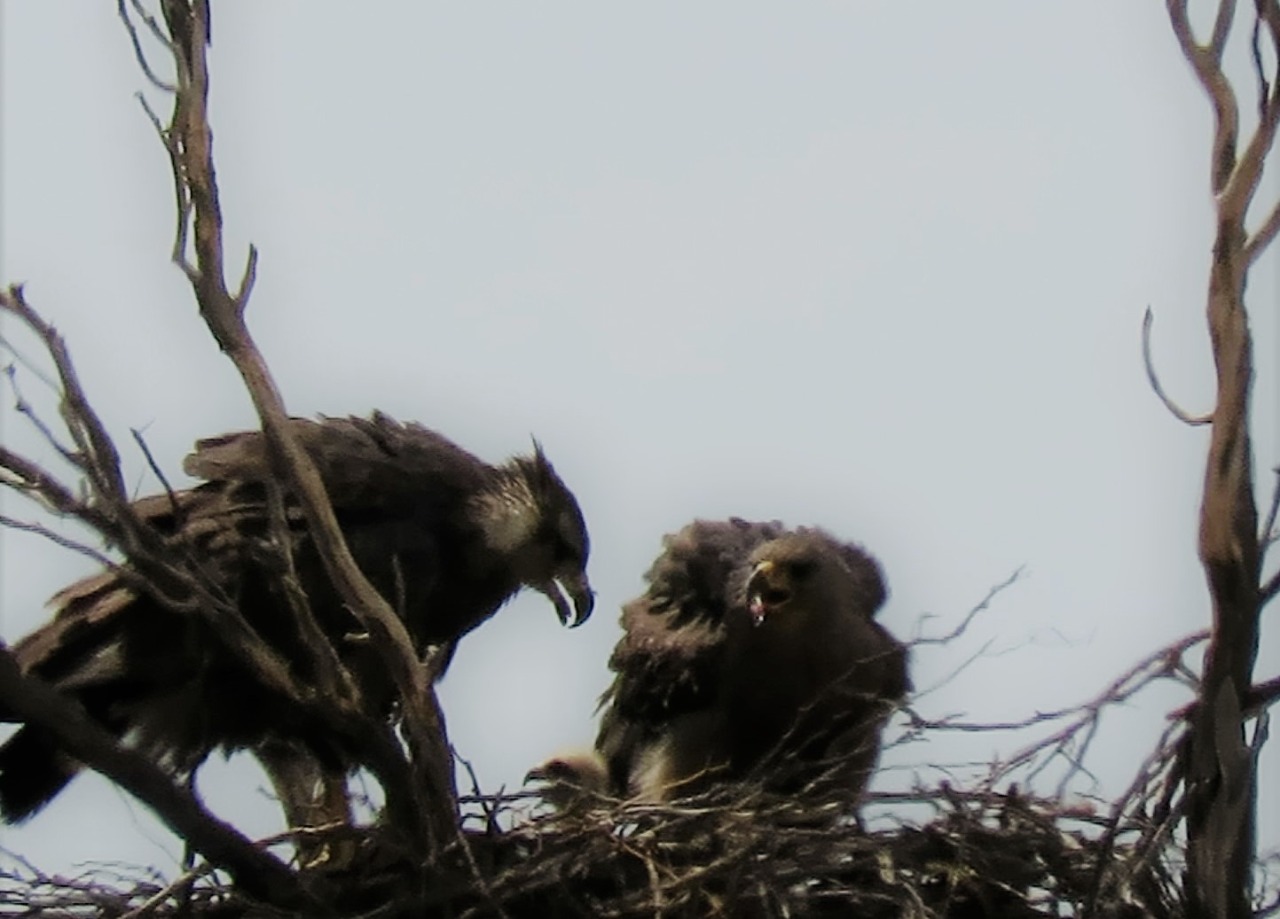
(1177, 411)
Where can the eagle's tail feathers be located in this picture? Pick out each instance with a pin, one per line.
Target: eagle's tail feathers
(33, 770)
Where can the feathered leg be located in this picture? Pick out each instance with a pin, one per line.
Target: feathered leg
(312, 796)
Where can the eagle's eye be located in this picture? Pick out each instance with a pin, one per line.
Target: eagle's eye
(570, 541)
(565, 553)
(774, 596)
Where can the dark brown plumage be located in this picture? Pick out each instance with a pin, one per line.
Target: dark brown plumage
(445, 537)
(754, 651)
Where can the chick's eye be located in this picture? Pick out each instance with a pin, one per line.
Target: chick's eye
(801, 569)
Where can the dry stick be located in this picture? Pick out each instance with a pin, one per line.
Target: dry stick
(1158, 663)
(960, 629)
(1266, 535)
(190, 145)
(258, 872)
(65, 542)
(1174, 409)
(1155, 764)
(174, 507)
(96, 455)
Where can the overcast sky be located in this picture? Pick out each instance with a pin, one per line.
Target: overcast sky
(871, 266)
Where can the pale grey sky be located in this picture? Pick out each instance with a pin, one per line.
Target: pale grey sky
(871, 266)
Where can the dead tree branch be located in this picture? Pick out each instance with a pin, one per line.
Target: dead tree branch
(188, 140)
(106, 508)
(1079, 723)
(1219, 776)
(963, 625)
(171, 571)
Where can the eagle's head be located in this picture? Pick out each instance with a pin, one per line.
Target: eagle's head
(532, 520)
(798, 575)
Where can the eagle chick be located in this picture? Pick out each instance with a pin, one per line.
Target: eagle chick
(753, 653)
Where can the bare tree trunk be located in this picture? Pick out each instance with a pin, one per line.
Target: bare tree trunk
(1219, 776)
(1221, 783)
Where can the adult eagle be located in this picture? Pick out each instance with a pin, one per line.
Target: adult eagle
(753, 653)
(444, 536)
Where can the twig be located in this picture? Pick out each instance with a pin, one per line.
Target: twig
(39, 529)
(156, 471)
(1174, 409)
(1268, 591)
(983, 604)
(1267, 534)
(179, 885)
(138, 53)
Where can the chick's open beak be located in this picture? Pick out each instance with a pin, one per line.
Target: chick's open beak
(563, 590)
(767, 588)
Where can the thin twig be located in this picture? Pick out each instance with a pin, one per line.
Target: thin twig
(1267, 534)
(1147, 320)
(140, 55)
(155, 469)
(39, 529)
(982, 605)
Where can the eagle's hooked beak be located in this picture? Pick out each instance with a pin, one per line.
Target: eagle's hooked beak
(766, 588)
(571, 587)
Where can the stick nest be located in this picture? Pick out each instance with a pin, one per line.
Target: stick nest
(739, 852)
